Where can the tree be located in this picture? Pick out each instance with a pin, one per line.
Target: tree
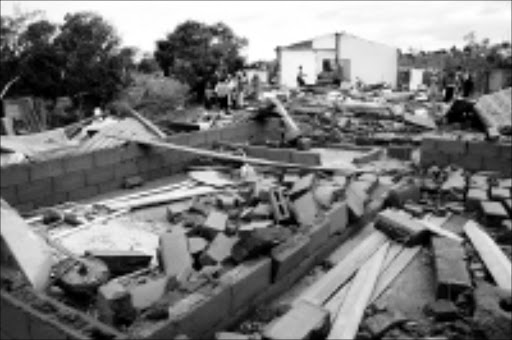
(194, 52)
(148, 65)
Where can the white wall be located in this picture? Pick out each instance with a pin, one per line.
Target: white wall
(289, 66)
(324, 42)
(371, 62)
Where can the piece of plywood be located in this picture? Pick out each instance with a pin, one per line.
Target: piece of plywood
(324, 288)
(495, 260)
(351, 312)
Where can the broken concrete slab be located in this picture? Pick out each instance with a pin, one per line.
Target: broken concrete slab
(474, 197)
(404, 191)
(259, 242)
(148, 291)
(175, 259)
(338, 217)
(356, 199)
(303, 321)
(401, 227)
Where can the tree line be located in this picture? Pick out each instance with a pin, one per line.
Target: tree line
(82, 58)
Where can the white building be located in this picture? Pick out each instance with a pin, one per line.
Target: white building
(359, 58)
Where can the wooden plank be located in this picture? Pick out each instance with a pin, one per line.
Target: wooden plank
(351, 312)
(163, 197)
(147, 123)
(391, 272)
(233, 158)
(324, 288)
(495, 260)
(333, 305)
(436, 229)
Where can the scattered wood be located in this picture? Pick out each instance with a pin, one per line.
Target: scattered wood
(391, 272)
(334, 303)
(351, 311)
(324, 288)
(495, 260)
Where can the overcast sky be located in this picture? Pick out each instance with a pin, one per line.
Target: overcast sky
(267, 24)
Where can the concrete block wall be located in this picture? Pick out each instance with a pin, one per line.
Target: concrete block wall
(471, 154)
(72, 178)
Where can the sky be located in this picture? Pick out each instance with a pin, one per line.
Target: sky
(426, 25)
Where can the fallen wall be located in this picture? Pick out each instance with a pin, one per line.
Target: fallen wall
(470, 154)
(38, 184)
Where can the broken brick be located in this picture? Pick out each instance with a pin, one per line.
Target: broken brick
(305, 209)
(216, 221)
(219, 250)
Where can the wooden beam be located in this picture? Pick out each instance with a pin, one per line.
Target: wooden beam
(324, 288)
(147, 123)
(351, 311)
(495, 260)
(333, 305)
(233, 158)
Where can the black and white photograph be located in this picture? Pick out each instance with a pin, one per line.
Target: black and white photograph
(256, 170)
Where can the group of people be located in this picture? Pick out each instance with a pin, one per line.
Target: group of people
(228, 92)
(459, 83)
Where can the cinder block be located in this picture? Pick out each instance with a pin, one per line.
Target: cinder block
(49, 168)
(83, 193)
(248, 280)
(69, 182)
(49, 200)
(452, 146)
(305, 209)
(180, 139)
(493, 213)
(108, 156)
(176, 260)
(201, 311)
(14, 175)
(159, 173)
(24, 207)
(319, 234)
(288, 255)
(471, 162)
(78, 162)
(33, 189)
(219, 250)
(402, 152)
(450, 268)
(125, 169)
(306, 158)
(99, 175)
(197, 139)
(338, 217)
(482, 148)
(110, 186)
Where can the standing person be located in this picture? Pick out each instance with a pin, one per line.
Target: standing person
(223, 94)
(300, 78)
(467, 85)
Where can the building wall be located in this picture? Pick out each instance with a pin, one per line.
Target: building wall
(320, 56)
(289, 62)
(371, 62)
(324, 42)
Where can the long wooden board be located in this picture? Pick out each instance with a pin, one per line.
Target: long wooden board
(495, 260)
(233, 158)
(351, 312)
(324, 288)
(391, 272)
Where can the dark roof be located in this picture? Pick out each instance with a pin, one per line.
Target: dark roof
(302, 45)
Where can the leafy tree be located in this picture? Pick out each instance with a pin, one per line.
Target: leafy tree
(194, 52)
(148, 65)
